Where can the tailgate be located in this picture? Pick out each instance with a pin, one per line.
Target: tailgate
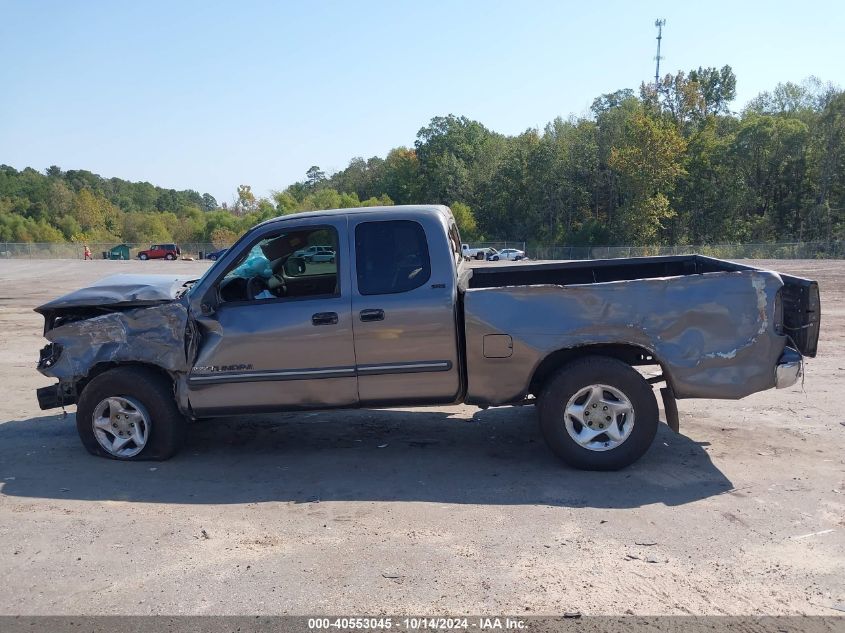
(801, 313)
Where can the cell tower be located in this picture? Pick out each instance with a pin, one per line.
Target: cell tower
(659, 24)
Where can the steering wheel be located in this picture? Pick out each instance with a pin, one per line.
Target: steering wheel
(276, 285)
(254, 287)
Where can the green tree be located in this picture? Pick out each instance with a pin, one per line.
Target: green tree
(208, 202)
(315, 176)
(246, 201)
(827, 162)
(649, 165)
(770, 154)
(716, 87)
(465, 220)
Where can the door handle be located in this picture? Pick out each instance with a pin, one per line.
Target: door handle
(324, 318)
(372, 315)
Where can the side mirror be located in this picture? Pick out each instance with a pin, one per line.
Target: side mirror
(294, 266)
(210, 301)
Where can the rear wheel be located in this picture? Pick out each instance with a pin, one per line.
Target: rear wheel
(129, 413)
(598, 413)
(170, 256)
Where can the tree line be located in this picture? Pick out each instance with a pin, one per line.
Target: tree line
(668, 164)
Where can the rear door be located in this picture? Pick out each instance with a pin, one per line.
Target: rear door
(404, 310)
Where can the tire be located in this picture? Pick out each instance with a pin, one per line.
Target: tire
(170, 257)
(143, 257)
(479, 256)
(146, 391)
(577, 377)
(212, 258)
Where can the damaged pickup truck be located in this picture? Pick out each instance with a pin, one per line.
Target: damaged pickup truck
(398, 318)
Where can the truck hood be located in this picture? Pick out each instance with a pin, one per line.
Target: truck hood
(121, 290)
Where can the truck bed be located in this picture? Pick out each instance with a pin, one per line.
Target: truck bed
(801, 309)
(714, 326)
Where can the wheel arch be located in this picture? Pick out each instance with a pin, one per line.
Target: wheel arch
(629, 353)
(101, 368)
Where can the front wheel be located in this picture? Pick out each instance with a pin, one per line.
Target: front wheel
(598, 413)
(129, 413)
(143, 257)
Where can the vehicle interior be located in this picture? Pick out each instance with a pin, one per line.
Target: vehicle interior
(391, 257)
(276, 268)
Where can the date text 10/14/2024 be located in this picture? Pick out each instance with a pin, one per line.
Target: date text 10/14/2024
(416, 623)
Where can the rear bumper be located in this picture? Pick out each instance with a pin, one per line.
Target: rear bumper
(788, 369)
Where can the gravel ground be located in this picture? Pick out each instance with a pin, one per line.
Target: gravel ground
(427, 510)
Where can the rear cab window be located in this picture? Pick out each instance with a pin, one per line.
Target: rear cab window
(391, 257)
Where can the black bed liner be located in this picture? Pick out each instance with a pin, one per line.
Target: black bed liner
(598, 270)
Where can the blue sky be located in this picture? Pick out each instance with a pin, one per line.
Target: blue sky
(210, 95)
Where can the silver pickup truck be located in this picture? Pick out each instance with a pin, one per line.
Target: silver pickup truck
(399, 318)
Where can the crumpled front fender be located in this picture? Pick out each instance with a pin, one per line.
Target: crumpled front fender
(153, 335)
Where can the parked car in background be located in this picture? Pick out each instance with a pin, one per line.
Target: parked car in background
(473, 253)
(316, 254)
(485, 252)
(215, 255)
(511, 254)
(161, 251)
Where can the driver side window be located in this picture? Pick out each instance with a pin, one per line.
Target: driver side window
(293, 264)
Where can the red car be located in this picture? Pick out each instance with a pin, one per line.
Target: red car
(160, 251)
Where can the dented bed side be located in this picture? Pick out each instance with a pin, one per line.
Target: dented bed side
(714, 334)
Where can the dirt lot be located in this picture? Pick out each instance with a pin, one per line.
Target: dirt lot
(422, 510)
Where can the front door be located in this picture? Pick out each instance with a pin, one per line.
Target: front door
(280, 336)
(403, 311)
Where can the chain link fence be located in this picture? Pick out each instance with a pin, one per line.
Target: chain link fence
(101, 250)
(779, 250)
(499, 246)
(198, 250)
